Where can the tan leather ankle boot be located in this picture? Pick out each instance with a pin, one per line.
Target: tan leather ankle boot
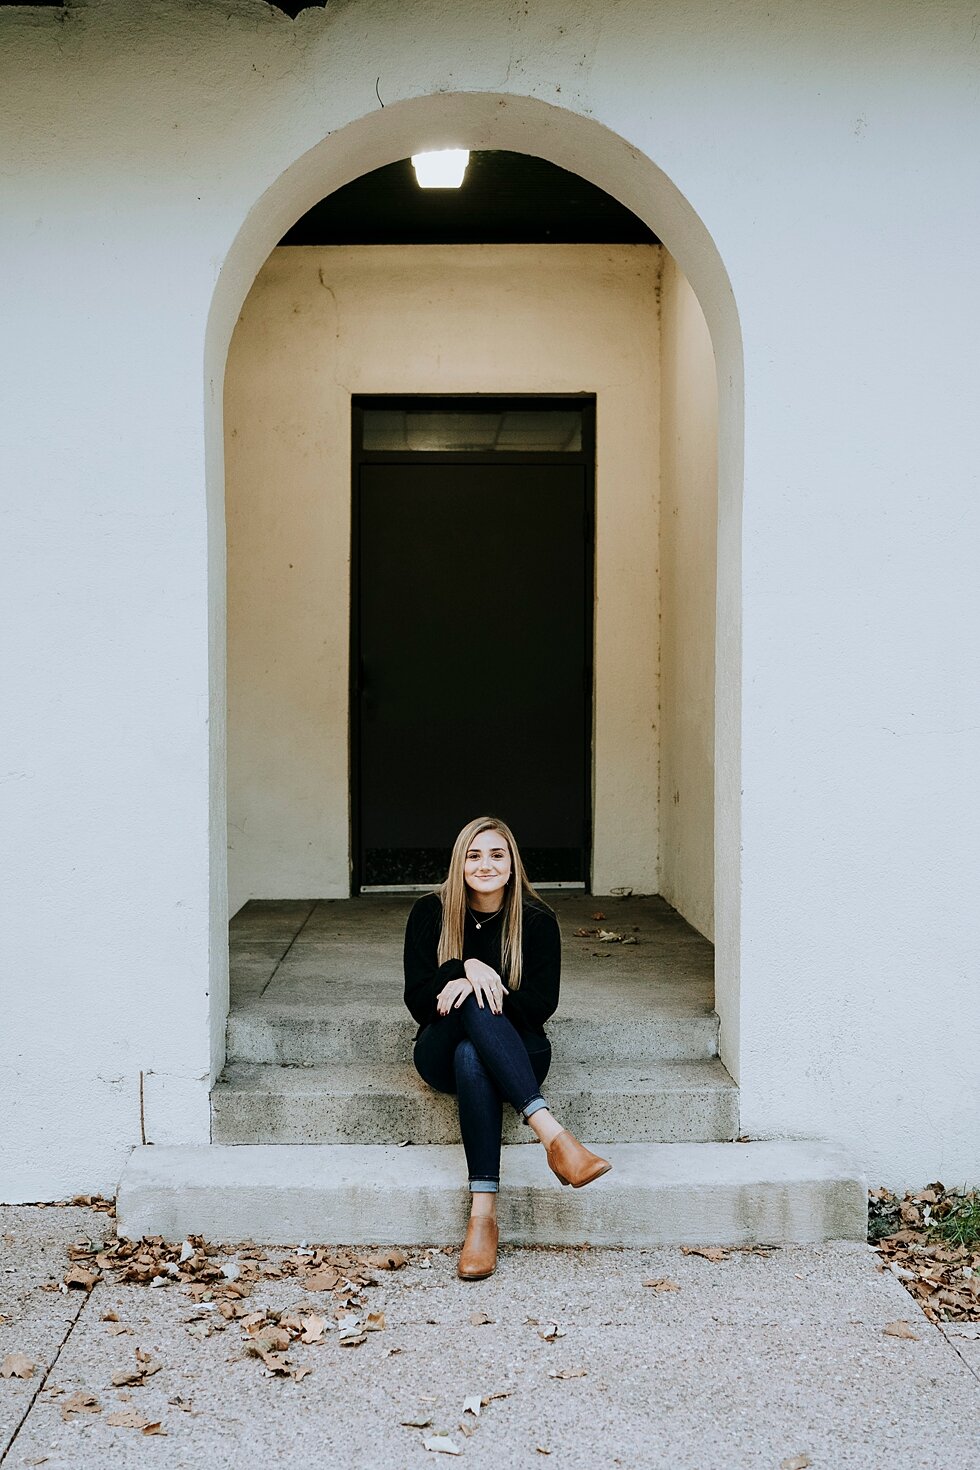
(572, 1161)
(479, 1254)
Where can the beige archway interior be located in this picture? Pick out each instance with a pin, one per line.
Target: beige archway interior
(583, 146)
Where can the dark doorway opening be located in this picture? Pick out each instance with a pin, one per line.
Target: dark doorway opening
(471, 631)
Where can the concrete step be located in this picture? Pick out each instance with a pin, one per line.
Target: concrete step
(357, 1102)
(315, 1032)
(656, 1194)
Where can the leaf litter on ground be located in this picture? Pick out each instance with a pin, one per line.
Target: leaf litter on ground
(930, 1241)
(220, 1289)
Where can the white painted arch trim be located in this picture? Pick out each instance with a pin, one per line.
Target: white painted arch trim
(583, 145)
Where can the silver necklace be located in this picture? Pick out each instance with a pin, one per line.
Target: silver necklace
(486, 919)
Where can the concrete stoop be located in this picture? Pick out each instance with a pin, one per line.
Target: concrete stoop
(359, 1194)
(319, 1091)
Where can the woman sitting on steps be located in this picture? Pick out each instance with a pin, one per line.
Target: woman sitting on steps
(482, 967)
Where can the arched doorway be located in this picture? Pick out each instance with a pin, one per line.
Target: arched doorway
(582, 146)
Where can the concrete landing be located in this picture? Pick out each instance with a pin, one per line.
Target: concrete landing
(295, 952)
(313, 983)
(656, 1194)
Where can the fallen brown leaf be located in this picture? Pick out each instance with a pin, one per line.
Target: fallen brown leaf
(900, 1329)
(480, 1319)
(353, 1339)
(272, 1339)
(421, 1421)
(710, 1252)
(391, 1260)
(567, 1372)
(662, 1283)
(80, 1403)
(135, 1376)
(275, 1362)
(17, 1365)
(127, 1419)
(313, 1328)
(374, 1322)
(322, 1280)
(81, 1279)
(797, 1462)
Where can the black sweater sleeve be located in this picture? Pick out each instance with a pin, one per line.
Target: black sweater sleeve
(536, 998)
(424, 976)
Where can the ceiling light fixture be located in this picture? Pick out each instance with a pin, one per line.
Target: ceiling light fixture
(441, 170)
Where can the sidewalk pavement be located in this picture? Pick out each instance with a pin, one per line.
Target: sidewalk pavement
(758, 1360)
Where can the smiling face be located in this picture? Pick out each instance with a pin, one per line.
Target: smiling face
(486, 869)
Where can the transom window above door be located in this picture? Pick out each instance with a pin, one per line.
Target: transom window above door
(482, 430)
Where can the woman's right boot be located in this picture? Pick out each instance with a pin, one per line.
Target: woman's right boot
(478, 1258)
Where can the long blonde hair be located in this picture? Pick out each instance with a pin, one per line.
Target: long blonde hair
(453, 895)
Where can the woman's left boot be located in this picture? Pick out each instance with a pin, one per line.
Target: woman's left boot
(478, 1258)
(573, 1162)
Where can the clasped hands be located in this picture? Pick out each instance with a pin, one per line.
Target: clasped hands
(481, 981)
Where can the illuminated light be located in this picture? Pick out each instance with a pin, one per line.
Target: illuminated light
(442, 170)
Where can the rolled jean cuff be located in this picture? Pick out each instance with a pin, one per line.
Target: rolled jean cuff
(484, 1186)
(534, 1106)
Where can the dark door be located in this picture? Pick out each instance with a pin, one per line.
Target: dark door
(472, 669)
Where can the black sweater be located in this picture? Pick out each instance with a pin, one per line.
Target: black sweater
(528, 1007)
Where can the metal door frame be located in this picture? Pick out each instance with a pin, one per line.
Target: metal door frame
(585, 403)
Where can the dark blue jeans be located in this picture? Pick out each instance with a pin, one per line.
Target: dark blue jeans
(483, 1059)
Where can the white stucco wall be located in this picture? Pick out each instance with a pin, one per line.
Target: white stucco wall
(794, 160)
(322, 324)
(688, 525)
